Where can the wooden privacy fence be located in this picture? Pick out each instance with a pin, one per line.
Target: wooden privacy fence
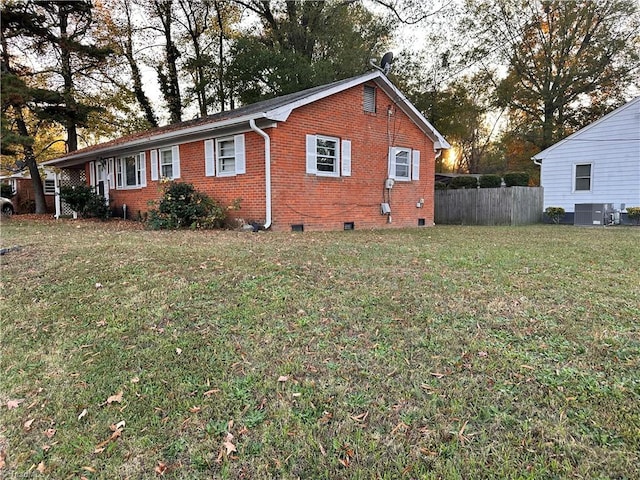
(489, 206)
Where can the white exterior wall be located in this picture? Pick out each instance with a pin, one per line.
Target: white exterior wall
(612, 146)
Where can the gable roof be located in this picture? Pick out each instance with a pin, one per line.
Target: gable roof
(545, 153)
(267, 111)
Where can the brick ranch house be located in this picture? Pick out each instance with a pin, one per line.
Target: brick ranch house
(351, 154)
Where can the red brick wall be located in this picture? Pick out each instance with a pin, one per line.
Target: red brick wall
(24, 200)
(318, 203)
(326, 203)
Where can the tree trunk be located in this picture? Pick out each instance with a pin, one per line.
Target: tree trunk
(67, 76)
(30, 160)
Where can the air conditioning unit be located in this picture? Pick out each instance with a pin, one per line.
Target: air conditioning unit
(592, 213)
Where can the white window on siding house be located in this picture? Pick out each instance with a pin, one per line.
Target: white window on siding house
(369, 99)
(229, 156)
(131, 171)
(404, 164)
(582, 178)
(328, 156)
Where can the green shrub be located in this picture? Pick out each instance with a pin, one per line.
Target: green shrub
(6, 190)
(182, 206)
(634, 214)
(85, 201)
(490, 181)
(463, 182)
(516, 179)
(440, 186)
(554, 213)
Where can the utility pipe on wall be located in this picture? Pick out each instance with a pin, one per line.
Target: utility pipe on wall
(267, 170)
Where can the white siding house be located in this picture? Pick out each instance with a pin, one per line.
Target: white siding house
(598, 164)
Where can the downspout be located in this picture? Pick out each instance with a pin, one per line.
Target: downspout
(267, 170)
(536, 161)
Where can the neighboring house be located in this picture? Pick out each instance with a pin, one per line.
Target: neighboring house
(24, 199)
(599, 164)
(319, 159)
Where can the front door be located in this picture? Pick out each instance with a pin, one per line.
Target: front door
(101, 180)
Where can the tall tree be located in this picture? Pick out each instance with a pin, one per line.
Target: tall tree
(303, 44)
(568, 61)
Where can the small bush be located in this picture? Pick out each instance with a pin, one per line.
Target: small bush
(516, 179)
(182, 206)
(85, 201)
(490, 181)
(634, 214)
(463, 182)
(6, 190)
(554, 213)
(440, 186)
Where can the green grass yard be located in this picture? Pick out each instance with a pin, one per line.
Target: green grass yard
(445, 352)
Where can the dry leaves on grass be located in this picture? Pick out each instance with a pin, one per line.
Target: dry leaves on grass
(117, 433)
(11, 404)
(115, 398)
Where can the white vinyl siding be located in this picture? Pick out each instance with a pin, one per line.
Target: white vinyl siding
(611, 146)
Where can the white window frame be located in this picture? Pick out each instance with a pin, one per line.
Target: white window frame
(341, 157)
(165, 162)
(412, 164)
(49, 186)
(139, 165)
(159, 163)
(214, 160)
(322, 154)
(575, 177)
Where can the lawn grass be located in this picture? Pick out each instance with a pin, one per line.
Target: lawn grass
(445, 352)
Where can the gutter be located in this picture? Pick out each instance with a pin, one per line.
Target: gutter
(536, 161)
(267, 170)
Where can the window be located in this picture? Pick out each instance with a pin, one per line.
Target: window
(369, 99)
(165, 163)
(131, 171)
(328, 156)
(583, 177)
(225, 157)
(49, 187)
(404, 164)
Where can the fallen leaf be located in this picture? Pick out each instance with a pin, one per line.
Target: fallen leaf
(89, 469)
(115, 398)
(11, 404)
(83, 414)
(437, 375)
(360, 418)
(98, 285)
(117, 426)
(178, 351)
(135, 380)
(283, 378)
(101, 323)
(40, 467)
(161, 468)
(195, 409)
(483, 354)
(528, 367)
(27, 424)
(50, 432)
(228, 445)
(211, 392)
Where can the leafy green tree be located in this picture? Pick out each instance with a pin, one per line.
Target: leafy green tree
(304, 44)
(568, 61)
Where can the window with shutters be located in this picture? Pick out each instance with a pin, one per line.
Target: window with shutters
(224, 157)
(404, 164)
(369, 100)
(166, 163)
(328, 156)
(131, 171)
(582, 178)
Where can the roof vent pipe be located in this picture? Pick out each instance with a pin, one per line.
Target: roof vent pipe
(267, 170)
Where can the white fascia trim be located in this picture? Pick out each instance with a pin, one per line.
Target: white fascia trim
(155, 139)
